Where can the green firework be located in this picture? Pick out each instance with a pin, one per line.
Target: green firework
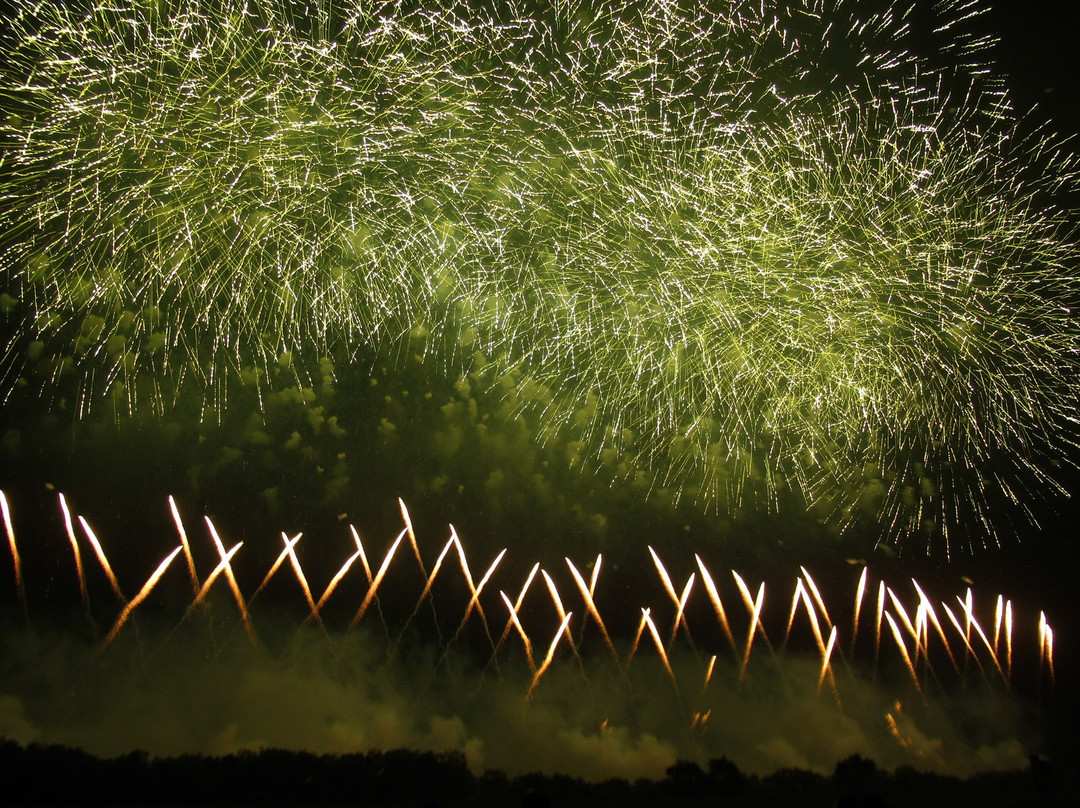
(753, 249)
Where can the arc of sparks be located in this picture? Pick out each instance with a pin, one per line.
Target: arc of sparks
(718, 606)
(564, 628)
(860, 592)
(1046, 645)
(289, 552)
(999, 608)
(330, 587)
(412, 535)
(755, 624)
(708, 673)
(144, 593)
(516, 623)
(817, 596)
(222, 565)
(908, 625)
(231, 578)
(796, 599)
(973, 622)
(434, 572)
(277, 563)
(680, 612)
(964, 635)
(474, 601)
(801, 596)
(904, 652)
(1008, 637)
(877, 619)
(15, 558)
(665, 579)
(647, 617)
(590, 604)
(185, 544)
(70, 529)
(102, 559)
(554, 592)
(374, 587)
(826, 667)
(932, 614)
(295, 562)
(517, 605)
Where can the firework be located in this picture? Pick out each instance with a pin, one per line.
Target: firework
(892, 612)
(144, 593)
(15, 558)
(753, 250)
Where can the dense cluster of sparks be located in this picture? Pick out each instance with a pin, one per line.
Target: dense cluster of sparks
(954, 628)
(757, 249)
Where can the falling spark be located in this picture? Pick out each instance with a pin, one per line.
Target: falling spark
(563, 629)
(709, 673)
(231, 578)
(14, 547)
(144, 593)
(718, 606)
(70, 529)
(184, 543)
(101, 558)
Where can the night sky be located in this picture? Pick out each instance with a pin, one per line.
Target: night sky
(332, 439)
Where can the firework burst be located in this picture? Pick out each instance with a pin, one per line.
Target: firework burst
(754, 250)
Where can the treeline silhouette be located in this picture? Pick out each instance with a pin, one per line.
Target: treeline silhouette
(51, 775)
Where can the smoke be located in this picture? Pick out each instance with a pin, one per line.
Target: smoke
(204, 688)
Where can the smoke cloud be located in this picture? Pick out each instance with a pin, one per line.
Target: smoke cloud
(204, 688)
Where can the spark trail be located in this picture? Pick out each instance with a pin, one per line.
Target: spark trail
(756, 249)
(545, 617)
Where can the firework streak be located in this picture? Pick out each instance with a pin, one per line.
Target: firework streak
(912, 636)
(756, 248)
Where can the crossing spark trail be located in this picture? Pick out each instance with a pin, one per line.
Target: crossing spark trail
(806, 598)
(754, 250)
